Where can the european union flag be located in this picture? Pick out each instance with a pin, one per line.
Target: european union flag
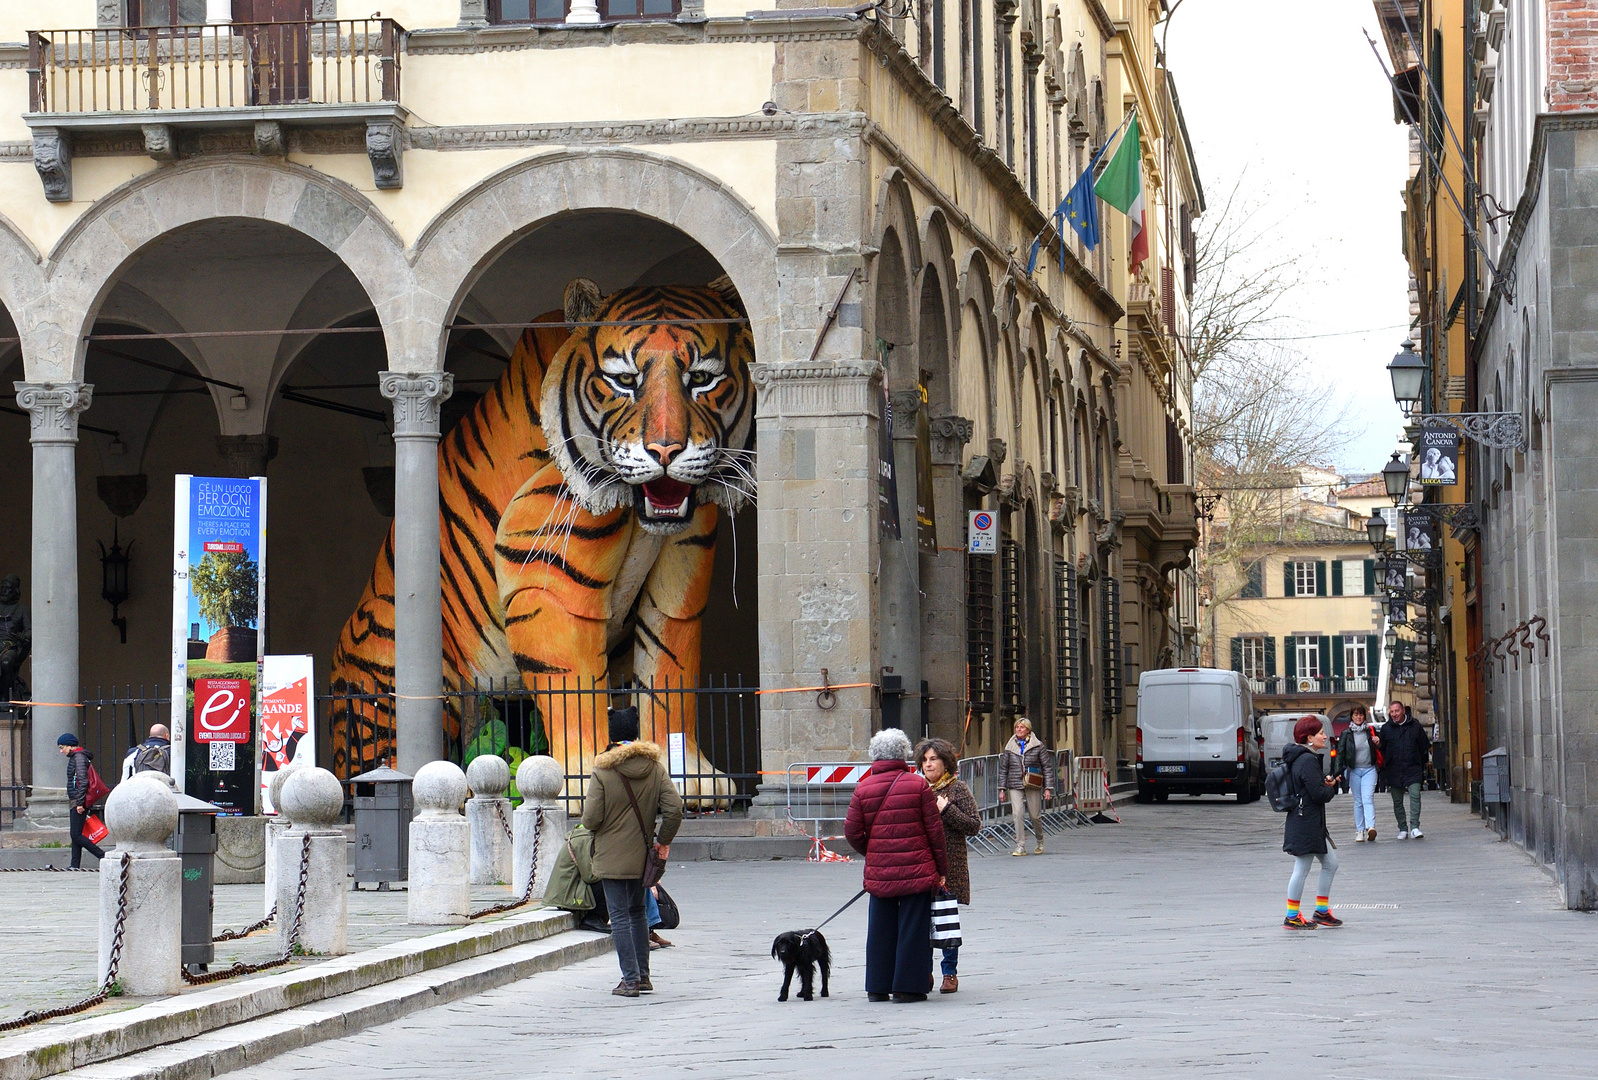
(1080, 210)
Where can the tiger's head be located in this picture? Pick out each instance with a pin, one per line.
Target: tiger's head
(659, 415)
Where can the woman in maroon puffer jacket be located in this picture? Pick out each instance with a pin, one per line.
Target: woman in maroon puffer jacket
(894, 822)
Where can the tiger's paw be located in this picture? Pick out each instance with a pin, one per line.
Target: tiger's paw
(705, 787)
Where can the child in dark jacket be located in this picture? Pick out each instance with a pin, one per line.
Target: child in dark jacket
(1305, 836)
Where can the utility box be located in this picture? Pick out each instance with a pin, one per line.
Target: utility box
(1495, 776)
(383, 810)
(195, 843)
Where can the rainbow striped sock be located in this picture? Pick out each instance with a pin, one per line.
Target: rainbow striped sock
(1292, 909)
(1323, 903)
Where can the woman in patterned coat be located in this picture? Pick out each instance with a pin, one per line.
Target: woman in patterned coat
(961, 818)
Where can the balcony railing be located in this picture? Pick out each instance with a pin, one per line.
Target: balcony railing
(218, 66)
(1312, 685)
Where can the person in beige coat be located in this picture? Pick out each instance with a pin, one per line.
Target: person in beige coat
(1026, 771)
(620, 844)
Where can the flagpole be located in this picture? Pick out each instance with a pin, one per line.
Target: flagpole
(1057, 218)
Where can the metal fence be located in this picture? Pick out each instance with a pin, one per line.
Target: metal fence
(217, 66)
(710, 732)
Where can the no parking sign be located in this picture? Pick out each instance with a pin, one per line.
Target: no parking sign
(982, 538)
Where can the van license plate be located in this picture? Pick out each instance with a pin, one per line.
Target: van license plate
(1173, 768)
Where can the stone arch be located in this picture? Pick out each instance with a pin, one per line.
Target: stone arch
(89, 258)
(978, 338)
(896, 269)
(463, 240)
(938, 334)
(22, 288)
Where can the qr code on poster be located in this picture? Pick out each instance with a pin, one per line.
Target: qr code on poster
(223, 756)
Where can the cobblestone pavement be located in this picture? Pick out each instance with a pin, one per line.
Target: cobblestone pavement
(1140, 949)
(50, 924)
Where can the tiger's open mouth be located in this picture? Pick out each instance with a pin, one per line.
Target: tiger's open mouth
(666, 500)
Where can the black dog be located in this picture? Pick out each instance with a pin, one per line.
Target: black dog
(804, 950)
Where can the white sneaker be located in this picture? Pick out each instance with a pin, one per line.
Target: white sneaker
(1403, 834)
(1359, 836)
(1416, 834)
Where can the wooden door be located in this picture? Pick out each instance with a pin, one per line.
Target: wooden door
(277, 35)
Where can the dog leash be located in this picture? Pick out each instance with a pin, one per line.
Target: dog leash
(835, 914)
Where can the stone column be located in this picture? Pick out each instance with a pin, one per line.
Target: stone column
(314, 799)
(541, 818)
(142, 814)
(418, 615)
(53, 409)
(488, 815)
(943, 582)
(439, 891)
(900, 577)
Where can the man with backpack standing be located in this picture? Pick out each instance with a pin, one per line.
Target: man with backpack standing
(154, 754)
(1405, 750)
(1304, 792)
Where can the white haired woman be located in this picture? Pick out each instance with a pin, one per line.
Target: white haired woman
(1026, 771)
(893, 821)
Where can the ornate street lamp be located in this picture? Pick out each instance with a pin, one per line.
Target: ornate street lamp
(1395, 475)
(1376, 529)
(1407, 371)
(114, 579)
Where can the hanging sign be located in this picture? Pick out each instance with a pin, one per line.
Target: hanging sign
(983, 535)
(1439, 456)
(288, 720)
(218, 627)
(1418, 532)
(887, 479)
(926, 524)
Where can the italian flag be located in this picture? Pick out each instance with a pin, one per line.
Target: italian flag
(1121, 185)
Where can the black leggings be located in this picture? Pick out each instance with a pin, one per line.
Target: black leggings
(79, 844)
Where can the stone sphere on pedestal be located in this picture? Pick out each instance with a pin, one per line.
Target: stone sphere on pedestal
(313, 797)
(540, 777)
(274, 788)
(488, 775)
(439, 788)
(142, 813)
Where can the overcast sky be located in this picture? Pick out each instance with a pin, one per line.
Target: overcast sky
(1288, 97)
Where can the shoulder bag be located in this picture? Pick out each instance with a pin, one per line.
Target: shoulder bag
(670, 914)
(654, 865)
(97, 791)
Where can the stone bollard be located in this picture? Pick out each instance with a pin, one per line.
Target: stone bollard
(313, 799)
(539, 779)
(488, 813)
(275, 827)
(142, 813)
(439, 890)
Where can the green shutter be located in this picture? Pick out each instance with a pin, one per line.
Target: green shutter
(1291, 657)
(1337, 657)
(1373, 655)
(1287, 578)
(1320, 577)
(1326, 656)
(1254, 581)
(1237, 654)
(1337, 577)
(1270, 657)
(1370, 577)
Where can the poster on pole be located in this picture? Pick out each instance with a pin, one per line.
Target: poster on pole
(926, 522)
(218, 630)
(1439, 456)
(288, 718)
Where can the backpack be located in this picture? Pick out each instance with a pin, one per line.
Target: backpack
(152, 757)
(1279, 788)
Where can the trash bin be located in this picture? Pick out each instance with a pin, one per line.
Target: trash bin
(1495, 776)
(382, 827)
(195, 842)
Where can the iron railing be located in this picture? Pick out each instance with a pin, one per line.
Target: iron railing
(720, 717)
(217, 66)
(1311, 685)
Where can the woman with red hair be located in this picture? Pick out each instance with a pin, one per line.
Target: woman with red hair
(1305, 836)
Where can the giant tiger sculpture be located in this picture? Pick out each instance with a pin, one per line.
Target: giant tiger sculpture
(578, 508)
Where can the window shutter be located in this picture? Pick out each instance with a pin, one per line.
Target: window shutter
(1326, 656)
(1287, 579)
(1337, 577)
(1337, 657)
(1320, 577)
(1370, 577)
(1270, 657)
(1292, 657)
(1237, 654)
(1254, 585)
(1373, 655)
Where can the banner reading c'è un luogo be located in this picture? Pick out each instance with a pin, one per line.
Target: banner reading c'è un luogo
(218, 632)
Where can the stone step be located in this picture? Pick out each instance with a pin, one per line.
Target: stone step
(738, 848)
(729, 825)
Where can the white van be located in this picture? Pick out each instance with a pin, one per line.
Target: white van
(1196, 734)
(1279, 733)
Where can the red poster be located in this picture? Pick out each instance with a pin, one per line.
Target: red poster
(222, 710)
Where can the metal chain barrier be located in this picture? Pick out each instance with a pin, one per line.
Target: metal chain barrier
(48, 870)
(234, 935)
(241, 968)
(532, 871)
(110, 972)
(499, 808)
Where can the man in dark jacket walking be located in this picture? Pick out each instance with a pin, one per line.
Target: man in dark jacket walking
(1304, 836)
(78, 762)
(1405, 750)
(893, 821)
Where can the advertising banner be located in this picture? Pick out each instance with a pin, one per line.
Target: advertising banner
(288, 718)
(218, 629)
(1439, 456)
(1419, 532)
(887, 475)
(926, 523)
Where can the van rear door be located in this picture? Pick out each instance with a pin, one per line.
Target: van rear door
(1189, 720)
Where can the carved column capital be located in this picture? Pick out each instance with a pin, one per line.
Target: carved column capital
(53, 409)
(52, 159)
(416, 397)
(247, 455)
(998, 451)
(949, 436)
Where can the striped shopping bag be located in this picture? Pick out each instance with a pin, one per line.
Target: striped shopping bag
(945, 921)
